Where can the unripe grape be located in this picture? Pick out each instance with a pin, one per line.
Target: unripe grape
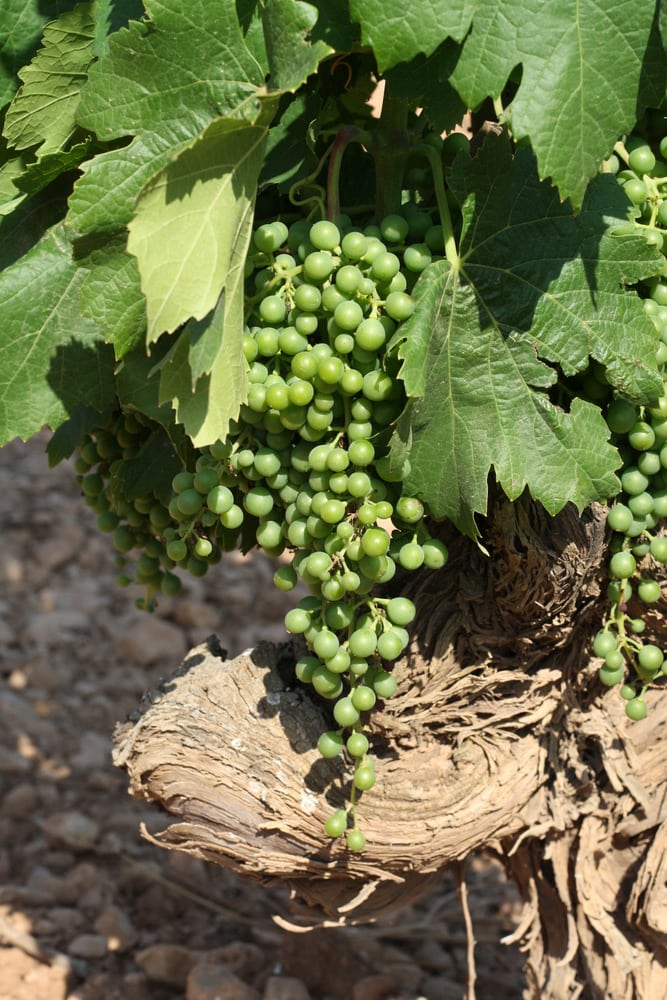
(330, 744)
(336, 824)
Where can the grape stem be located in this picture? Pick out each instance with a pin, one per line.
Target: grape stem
(435, 163)
(346, 135)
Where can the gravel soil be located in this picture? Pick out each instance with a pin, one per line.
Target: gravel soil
(88, 909)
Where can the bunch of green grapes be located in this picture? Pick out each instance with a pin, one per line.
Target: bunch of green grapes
(305, 471)
(638, 548)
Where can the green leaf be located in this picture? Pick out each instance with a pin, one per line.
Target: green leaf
(397, 32)
(587, 72)
(292, 57)
(52, 359)
(174, 74)
(111, 295)
(43, 111)
(21, 25)
(39, 174)
(149, 472)
(536, 283)
(111, 16)
(192, 219)
(424, 82)
(103, 199)
(70, 434)
(207, 386)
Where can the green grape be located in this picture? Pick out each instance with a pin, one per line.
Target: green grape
(627, 692)
(609, 677)
(258, 501)
(357, 745)
(619, 518)
(336, 824)
(384, 684)
(394, 228)
(401, 611)
(324, 235)
(356, 840)
(648, 591)
(641, 160)
(658, 549)
(297, 621)
(203, 548)
(435, 553)
(345, 713)
(348, 315)
(364, 778)
(651, 658)
(411, 556)
(362, 643)
(272, 309)
(330, 744)
(390, 645)
(399, 306)
(636, 709)
(641, 436)
(354, 245)
(622, 566)
(604, 643)
(326, 682)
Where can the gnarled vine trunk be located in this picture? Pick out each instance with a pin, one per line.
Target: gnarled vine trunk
(500, 737)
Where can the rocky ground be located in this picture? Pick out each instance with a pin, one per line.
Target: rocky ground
(88, 909)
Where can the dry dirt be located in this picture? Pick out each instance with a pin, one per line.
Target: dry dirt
(88, 909)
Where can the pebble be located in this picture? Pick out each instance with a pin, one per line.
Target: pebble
(169, 964)
(285, 988)
(151, 640)
(73, 829)
(379, 987)
(56, 627)
(94, 752)
(216, 982)
(117, 928)
(240, 957)
(19, 802)
(88, 946)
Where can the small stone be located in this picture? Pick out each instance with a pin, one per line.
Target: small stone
(216, 982)
(19, 802)
(88, 946)
(94, 752)
(285, 988)
(379, 987)
(166, 963)
(117, 928)
(151, 640)
(241, 957)
(73, 829)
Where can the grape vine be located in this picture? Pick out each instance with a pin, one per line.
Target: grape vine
(264, 313)
(636, 518)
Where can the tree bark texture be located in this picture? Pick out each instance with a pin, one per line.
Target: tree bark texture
(500, 737)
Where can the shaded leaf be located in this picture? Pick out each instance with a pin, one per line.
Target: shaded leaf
(52, 358)
(43, 111)
(535, 283)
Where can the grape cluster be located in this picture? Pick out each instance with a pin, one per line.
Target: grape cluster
(305, 472)
(637, 516)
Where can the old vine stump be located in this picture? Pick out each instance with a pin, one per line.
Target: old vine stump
(500, 737)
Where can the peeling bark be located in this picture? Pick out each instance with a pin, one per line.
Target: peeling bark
(499, 738)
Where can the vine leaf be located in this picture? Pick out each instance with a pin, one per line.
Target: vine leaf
(536, 283)
(397, 32)
(292, 56)
(111, 295)
(52, 360)
(21, 25)
(43, 111)
(172, 75)
(192, 218)
(587, 69)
